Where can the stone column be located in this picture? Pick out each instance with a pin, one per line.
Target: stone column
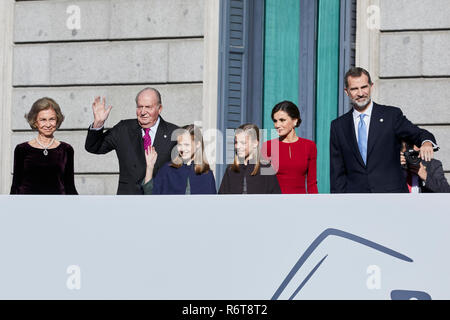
(368, 39)
(6, 47)
(210, 77)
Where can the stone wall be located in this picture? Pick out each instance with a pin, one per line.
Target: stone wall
(73, 51)
(415, 65)
(408, 55)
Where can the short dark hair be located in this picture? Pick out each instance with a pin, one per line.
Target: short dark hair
(290, 108)
(356, 72)
(158, 95)
(44, 104)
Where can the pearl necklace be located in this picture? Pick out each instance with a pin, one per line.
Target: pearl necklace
(45, 147)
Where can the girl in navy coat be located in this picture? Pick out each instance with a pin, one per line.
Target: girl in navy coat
(187, 173)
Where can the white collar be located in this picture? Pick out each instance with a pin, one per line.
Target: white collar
(154, 127)
(367, 112)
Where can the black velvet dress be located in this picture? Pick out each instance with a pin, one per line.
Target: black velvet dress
(36, 173)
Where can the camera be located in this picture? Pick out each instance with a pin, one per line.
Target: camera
(412, 158)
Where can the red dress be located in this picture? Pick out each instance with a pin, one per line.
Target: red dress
(295, 164)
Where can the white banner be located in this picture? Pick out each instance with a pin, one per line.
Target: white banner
(265, 247)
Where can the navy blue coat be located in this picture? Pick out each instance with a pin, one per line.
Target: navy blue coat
(170, 180)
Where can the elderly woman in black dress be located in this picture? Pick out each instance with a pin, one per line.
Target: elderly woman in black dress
(44, 165)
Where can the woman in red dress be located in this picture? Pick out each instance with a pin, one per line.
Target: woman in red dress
(293, 158)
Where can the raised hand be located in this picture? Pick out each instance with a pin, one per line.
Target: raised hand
(150, 158)
(101, 112)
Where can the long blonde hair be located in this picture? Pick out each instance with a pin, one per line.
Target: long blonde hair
(201, 164)
(252, 131)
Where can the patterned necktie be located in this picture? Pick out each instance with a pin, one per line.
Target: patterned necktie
(362, 138)
(147, 139)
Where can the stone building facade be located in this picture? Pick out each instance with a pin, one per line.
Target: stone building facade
(75, 50)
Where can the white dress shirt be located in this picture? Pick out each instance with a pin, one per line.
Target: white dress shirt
(357, 119)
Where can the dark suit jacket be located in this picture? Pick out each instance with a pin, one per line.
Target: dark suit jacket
(436, 181)
(383, 172)
(126, 138)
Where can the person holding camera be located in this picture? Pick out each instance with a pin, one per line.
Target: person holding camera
(422, 176)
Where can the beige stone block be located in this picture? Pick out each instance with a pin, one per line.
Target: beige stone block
(424, 101)
(56, 20)
(96, 184)
(182, 103)
(414, 14)
(186, 60)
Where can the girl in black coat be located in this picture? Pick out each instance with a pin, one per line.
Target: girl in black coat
(247, 174)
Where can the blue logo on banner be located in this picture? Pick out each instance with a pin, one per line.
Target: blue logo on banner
(395, 294)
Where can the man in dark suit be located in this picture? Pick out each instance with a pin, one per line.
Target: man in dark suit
(128, 138)
(365, 142)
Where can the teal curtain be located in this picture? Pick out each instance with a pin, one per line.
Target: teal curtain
(281, 54)
(327, 85)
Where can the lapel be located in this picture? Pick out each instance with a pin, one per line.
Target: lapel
(161, 137)
(135, 132)
(349, 130)
(376, 125)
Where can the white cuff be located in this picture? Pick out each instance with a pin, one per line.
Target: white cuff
(101, 128)
(434, 144)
